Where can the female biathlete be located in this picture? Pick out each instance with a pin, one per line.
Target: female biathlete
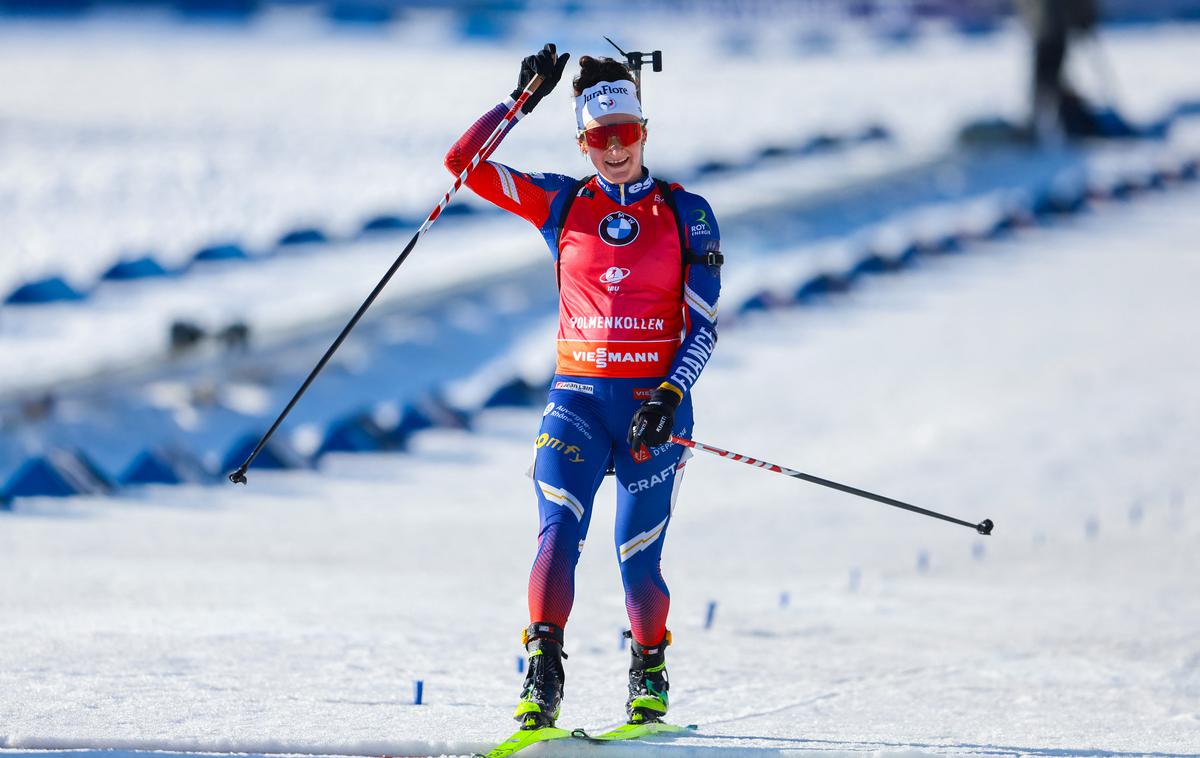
(637, 262)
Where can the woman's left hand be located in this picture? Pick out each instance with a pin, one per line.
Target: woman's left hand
(653, 422)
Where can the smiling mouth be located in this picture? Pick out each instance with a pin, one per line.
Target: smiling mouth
(616, 164)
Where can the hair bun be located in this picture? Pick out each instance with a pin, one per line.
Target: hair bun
(593, 70)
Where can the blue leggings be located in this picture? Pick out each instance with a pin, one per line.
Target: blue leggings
(583, 430)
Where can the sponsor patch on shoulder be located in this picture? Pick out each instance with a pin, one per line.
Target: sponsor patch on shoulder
(642, 393)
(587, 389)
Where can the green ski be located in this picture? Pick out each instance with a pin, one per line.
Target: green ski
(522, 739)
(633, 731)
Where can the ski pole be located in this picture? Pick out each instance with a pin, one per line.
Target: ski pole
(983, 527)
(489, 145)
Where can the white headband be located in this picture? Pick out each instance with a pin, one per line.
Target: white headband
(604, 99)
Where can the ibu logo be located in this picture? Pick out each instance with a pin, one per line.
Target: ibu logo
(614, 275)
(606, 103)
(619, 229)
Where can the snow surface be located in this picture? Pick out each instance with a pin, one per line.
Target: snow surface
(1046, 382)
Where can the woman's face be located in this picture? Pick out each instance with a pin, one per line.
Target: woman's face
(619, 164)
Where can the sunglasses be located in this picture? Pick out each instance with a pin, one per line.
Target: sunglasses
(626, 134)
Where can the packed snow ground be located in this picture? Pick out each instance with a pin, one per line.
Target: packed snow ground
(1046, 382)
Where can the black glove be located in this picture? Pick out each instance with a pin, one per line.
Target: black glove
(653, 422)
(546, 63)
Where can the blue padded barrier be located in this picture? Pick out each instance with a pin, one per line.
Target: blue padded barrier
(908, 256)
(53, 289)
(1002, 226)
(516, 393)
(354, 434)
(873, 263)
(145, 267)
(942, 244)
(429, 413)
(820, 144)
(458, 209)
(875, 133)
(708, 168)
(774, 151)
(59, 473)
(385, 223)
(361, 12)
(276, 455)
(162, 467)
(225, 252)
(820, 286)
(764, 300)
(305, 236)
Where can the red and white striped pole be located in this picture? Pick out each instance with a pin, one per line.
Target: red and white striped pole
(983, 527)
(493, 140)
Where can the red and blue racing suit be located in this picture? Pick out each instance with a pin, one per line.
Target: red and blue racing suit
(636, 311)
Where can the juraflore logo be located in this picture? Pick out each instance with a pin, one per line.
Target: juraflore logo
(607, 89)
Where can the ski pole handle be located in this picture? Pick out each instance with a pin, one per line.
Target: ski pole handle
(489, 146)
(983, 527)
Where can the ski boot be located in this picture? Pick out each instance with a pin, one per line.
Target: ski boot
(648, 683)
(544, 676)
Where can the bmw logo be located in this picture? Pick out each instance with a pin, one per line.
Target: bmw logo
(618, 229)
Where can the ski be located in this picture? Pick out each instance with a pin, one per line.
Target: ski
(632, 731)
(522, 739)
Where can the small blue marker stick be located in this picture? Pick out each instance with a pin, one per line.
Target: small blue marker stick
(923, 561)
(710, 614)
(520, 664)
(418, 691)
(784, 600)
(1135, 513)
(977, 551)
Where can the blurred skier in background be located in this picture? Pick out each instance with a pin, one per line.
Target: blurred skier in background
(638, 268)
(1057, 108)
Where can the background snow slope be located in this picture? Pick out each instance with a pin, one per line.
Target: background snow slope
(1047, 382)
(124, 137)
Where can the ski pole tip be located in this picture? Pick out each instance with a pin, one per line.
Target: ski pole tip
(238, 477)
(984, 527)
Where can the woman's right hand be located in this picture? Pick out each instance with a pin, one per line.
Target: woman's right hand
(546, 63)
